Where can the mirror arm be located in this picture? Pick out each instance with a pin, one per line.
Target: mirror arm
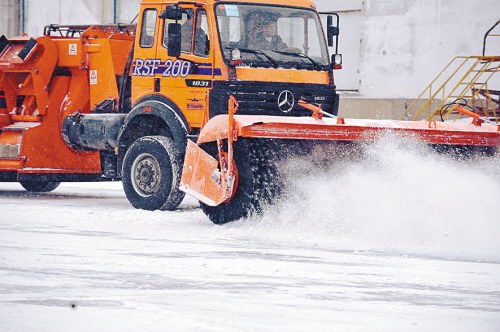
(333, 31)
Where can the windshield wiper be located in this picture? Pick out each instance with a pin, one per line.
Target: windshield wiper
(302, 55)
(268, 57)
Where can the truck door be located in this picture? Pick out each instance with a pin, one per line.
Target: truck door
(186, 80)
(145, 63)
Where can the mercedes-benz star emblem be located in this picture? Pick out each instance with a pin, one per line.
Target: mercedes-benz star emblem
(286, 101)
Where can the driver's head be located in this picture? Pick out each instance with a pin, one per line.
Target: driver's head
(269, 28)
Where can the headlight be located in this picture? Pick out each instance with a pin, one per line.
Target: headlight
(235, 55)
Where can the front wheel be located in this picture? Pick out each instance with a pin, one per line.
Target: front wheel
(258, 182)
(39, 186)
(151, 171)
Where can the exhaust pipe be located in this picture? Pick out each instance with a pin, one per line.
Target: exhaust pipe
(91, 132)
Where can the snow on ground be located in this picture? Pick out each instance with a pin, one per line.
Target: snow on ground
(402, 240)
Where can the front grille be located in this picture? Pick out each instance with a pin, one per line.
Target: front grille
(258, 98)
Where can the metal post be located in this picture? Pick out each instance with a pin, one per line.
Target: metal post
(115, 5)
(21, 15)
(486, 36)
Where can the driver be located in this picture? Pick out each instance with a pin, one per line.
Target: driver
(201, 42)
(267, 38)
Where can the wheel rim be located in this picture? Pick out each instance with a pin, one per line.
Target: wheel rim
(146, 175)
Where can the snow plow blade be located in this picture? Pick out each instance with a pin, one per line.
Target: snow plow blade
(202, 179)
(247, 126)
(215, 175)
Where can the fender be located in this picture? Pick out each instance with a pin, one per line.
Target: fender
(157, 106)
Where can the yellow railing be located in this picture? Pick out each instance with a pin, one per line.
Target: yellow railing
(466, 79)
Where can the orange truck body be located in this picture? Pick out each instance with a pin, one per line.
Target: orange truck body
(37, 93)
(88, 103)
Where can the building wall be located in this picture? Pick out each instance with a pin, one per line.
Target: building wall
(39, 14)
(350, 18)
(403, 45)
(405, 42)
(127, 10)
(392, 48)
(9, 17)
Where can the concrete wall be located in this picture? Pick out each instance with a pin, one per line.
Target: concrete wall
(394, 47)
(9, 17)
(127, 10)
(405, 43)
(61, 12)
(76, 12)
(41, 13)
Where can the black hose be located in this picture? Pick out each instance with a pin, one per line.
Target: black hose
(455, 102)
(125, 80)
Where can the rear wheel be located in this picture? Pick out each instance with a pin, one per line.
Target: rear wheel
(258, 182)
(39, 186)
(151, 174)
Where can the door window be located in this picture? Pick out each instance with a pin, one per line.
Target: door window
(148, 28)
(201, 39)
(188, 31)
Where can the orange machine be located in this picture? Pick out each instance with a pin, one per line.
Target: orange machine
(214, 91)
(44, 80)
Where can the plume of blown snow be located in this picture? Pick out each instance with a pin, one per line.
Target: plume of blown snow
(395, 195)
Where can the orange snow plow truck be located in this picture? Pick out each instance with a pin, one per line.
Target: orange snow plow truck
(200, 97)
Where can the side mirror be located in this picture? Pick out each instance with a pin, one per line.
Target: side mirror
(172, 12)
(331, 30)
(336, 61)
(174, 40)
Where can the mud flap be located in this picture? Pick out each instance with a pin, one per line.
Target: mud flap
(202, 178)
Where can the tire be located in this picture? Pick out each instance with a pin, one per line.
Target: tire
(258, 182)
(151, 172)
(39, 186)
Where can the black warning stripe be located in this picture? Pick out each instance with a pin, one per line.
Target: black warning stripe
(3, 103)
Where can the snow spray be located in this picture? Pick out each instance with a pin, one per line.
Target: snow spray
(395, 195)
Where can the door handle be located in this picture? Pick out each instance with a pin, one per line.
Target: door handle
(157, 84)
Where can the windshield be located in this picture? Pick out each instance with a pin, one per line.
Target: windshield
(272, 36)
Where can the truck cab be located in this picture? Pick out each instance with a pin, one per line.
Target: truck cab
(193, 56)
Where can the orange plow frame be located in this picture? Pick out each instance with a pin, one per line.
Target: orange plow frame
(205, 180)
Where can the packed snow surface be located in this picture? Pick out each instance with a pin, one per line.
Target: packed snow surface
(391, 238)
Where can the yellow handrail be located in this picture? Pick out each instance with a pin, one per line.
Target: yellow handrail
(468, 80)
